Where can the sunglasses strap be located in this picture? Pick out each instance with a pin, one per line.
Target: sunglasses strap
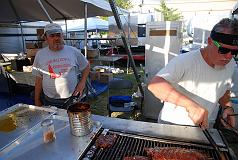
(228, 39)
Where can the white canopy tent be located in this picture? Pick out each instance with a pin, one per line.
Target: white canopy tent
(14, 11)
(17, 11)
(93, 24)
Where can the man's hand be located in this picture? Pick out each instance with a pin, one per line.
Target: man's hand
(199, 115)
(229, 119)
(79, 89)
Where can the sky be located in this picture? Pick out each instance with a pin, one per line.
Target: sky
(137, 8)
(145, 2)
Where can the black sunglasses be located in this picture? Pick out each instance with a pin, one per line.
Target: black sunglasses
(223, 50)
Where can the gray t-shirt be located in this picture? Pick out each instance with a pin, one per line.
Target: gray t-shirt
(59, 70)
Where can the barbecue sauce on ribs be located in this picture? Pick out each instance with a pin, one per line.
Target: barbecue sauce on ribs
(106, 141)
(136, 158)
(174, 153)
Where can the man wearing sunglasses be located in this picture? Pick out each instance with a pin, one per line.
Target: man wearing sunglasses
(194, 84)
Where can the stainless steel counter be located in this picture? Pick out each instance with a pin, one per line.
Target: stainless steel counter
(17, 120)
(66, 146)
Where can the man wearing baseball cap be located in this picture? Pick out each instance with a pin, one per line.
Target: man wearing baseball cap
(57, 68)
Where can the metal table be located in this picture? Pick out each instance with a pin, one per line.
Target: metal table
(23, 77)
(108, 59)
(30, 144)
(19, 119)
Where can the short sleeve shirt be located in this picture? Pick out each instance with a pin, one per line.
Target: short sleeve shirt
(59, 70)
(192, 76)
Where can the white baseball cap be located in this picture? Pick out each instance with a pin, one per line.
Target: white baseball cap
(53, 28)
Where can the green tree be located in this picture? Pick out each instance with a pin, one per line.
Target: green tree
(170, 14)
(125, 4)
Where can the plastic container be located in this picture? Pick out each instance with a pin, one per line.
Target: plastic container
(48, 130)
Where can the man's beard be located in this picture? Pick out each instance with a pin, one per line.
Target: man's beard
(218, 67)
(58, 46)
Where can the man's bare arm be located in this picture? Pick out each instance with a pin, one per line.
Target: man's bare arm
(38, 90)
(81, 85)
(163, 90)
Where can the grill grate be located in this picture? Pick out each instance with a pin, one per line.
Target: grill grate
(132, 145)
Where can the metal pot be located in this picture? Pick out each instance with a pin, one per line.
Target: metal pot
(80, 118)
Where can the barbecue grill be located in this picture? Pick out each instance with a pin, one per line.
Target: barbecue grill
(132, 137)
(128, 144)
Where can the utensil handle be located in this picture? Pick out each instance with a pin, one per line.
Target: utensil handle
(65, 104)
(213, 143)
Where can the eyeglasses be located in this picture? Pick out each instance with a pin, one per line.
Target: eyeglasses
(223, 50)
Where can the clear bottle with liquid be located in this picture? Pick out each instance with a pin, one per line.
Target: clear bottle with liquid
(48, 130)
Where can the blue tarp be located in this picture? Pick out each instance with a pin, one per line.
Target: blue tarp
(97, 88)
(7, 101)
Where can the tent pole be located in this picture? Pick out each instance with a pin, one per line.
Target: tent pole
(129, 39)
(126, 44)
(22, 38)
(43, 8)
(85, 28)
(66, 27)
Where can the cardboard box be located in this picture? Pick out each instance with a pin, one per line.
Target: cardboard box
(94, 75)
(106, 77)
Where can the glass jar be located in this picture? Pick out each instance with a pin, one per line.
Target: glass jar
(48, 130)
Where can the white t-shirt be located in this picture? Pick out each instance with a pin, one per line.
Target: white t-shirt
(59, 70)
(192, 76)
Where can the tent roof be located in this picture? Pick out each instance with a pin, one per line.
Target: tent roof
(13, 11)
(93, 23)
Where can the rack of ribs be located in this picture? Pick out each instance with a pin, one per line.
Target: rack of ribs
(136, 158)
(106, 141)
(174, 153)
